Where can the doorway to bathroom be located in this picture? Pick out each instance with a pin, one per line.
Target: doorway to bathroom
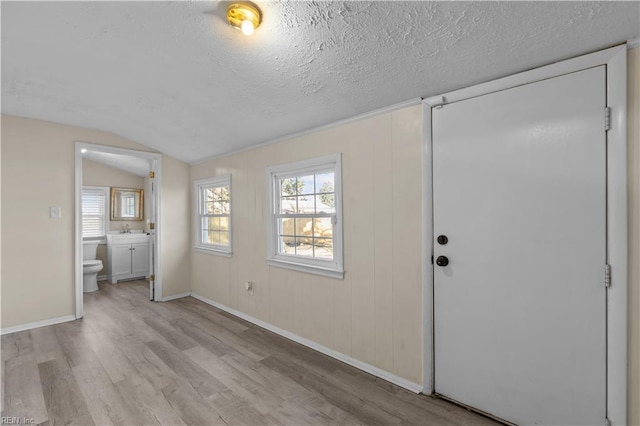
(117, 213)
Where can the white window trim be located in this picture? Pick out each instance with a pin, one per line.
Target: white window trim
(333, 269)
(199, 246)
(107, 206)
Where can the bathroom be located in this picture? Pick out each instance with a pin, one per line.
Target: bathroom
(115, 218)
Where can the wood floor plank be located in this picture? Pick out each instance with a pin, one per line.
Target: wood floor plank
(111, 357)
(64, 401)
(188, 404)
(194, 305)
(170, 333)
(16, 344)
(46, 345)
(105, 403)
(204, 383)
(131, 361)
(148, 400)
(362, 409)
(147, 363)
(23, 391)
(243, 387)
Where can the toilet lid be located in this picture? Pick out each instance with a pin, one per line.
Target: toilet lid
(94, 262)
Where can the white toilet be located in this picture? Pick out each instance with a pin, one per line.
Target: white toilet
(90, 266)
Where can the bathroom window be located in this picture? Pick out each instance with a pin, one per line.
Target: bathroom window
(213, 218)
(304, 223)
(95, 220)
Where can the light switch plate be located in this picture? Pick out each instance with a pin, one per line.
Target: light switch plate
(55, 212)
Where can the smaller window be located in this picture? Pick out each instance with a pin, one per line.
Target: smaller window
(213, 215)
(305, 216)
(95, 220)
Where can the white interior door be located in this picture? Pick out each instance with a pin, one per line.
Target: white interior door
(519, 190)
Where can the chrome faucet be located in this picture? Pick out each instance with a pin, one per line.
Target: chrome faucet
(125, 229)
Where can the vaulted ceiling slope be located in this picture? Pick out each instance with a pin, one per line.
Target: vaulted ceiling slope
(175, 77)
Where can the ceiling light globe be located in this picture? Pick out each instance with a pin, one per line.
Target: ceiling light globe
(247, 27)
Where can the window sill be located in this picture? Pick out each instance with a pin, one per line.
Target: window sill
(317, 270)
(213, 251)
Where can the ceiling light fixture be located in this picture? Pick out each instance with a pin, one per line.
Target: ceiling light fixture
(244, 16)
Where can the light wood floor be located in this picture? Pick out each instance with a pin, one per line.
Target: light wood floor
(133, 362)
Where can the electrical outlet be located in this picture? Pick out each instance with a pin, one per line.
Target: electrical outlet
(248, 286)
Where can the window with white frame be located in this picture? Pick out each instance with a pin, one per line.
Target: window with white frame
(305, 216)
(213, 214)
(95, 207)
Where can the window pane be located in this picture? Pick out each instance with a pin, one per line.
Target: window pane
(323, 248)
(221, 207)
(325, 182)
(287, 226)
(208, 208)
(221, 193)
(287, 245)
(304, 248)
(305, 185)
(207, 195)
(288, 205)
(326, 203)
(322, 227)
(288, 187)
(211, 237)
(211, 223)
(306, 204)
(224, 238)
(224, 223)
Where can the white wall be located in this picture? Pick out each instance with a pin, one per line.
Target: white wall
(176, 227)
(374, 314)
(37, 252)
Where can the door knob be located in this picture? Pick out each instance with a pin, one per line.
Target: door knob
(442, 261)
(442, 239)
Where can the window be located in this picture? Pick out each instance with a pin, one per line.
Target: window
(95, 220)
(304, 221)
(213, 218)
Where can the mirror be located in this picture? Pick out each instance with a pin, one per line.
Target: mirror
(127, 204)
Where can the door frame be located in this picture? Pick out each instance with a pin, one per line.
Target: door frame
(157, 160)
(615, 59)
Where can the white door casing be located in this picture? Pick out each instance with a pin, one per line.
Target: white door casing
(519, 188)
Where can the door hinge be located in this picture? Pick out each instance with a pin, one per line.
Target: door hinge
(607, 275)
(152, 175)
(152, 225)
(607, 422)
(152, 277)
(607, 119)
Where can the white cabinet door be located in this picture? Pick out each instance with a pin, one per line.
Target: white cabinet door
(519, 190)
(121, 259)
(140, 259)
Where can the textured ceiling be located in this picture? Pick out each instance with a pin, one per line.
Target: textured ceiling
(175, 77)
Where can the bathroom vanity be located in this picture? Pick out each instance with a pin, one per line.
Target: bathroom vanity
(127, 256)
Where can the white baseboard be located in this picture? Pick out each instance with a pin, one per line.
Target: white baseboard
(101, 277)
(175, 296)
(37, 324)
(390, 377)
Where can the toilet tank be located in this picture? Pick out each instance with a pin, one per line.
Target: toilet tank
(89, 250)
